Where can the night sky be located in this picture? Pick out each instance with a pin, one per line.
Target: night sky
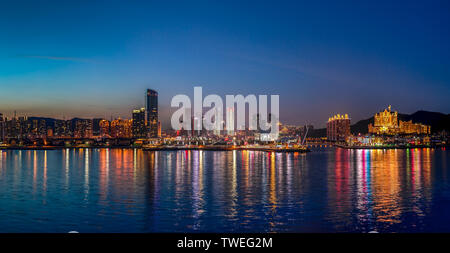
(95, 59)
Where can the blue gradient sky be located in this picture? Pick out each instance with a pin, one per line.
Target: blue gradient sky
(95, 59)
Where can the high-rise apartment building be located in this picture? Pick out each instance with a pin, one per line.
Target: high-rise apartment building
(121, 128)
(152, 113)
(338, 127)
(96, 126)
(104, 128)
(138, 125)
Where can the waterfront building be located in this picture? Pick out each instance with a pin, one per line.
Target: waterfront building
(104, 128)
(2, 128)
(96, 126)
(83, 128)
(34, 127)
(387, 123)
(365, 140)
(408, 127)
(26, 128)
(62, 128)
(42, 128)
(18, 128)
(152, 113)
(121, 128)
(138, 123)
(338, 127)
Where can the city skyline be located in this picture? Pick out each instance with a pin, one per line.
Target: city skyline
(131, 113)
(93, 60)
(224, 125)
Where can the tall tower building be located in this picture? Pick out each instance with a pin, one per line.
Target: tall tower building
(104, 128)
(338, 127)
(152, 113)
(138, 125)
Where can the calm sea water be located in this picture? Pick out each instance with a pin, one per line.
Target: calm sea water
(130, 190)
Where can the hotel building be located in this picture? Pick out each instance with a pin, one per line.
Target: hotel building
(338, 127)
(387, 123)
(152, 113)
(138, 125)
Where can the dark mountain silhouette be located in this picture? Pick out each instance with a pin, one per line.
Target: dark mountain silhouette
(316, 133)
(438, 122)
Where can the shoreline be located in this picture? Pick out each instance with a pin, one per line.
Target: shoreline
(59, 148)
(168, 148)
(218, 148)
(388, 147)
(206, 148)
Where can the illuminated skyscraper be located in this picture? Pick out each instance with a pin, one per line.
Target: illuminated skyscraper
(83, 128)
(121, 128)
(152, 113)
(138, 125)
(104, 128)
(62, 128)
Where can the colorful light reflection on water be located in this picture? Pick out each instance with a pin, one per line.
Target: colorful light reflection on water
(130, 190)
